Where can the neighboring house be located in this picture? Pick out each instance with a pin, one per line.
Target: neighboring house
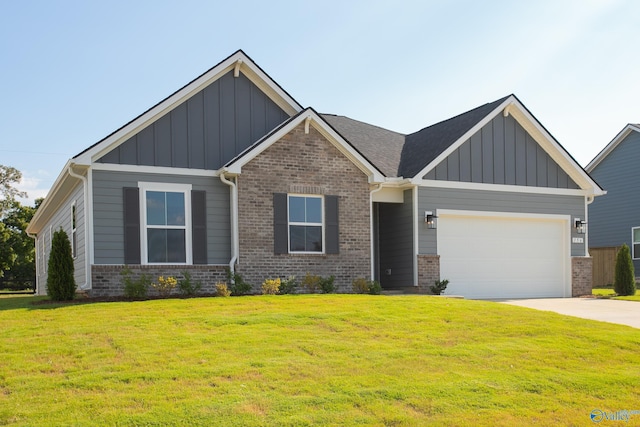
(614, 219)
(231, 172)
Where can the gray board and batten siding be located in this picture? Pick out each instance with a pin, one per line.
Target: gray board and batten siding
(395, 242)
(612, 217)
(432, 199)
(206, 131)
(502, 152)
(108, 220)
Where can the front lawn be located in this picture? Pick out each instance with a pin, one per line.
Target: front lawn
(310, 360)
(610, 293)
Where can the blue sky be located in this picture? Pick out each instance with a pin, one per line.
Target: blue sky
(71, 72)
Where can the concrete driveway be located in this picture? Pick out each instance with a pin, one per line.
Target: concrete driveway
(605, 310)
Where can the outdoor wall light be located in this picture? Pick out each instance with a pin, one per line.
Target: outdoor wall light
(430, 219)
(581, 226)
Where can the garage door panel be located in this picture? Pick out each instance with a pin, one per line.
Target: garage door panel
(498, 257)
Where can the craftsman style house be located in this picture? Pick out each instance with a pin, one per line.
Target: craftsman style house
(231, 172)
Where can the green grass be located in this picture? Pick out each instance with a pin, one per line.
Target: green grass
(610, 293)
(309, 360)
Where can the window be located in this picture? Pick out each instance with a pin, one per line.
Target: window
(635, 242)
(166, 223)
(74, 239)
(305, 224)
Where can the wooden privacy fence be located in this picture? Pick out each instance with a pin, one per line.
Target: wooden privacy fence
(604, 264)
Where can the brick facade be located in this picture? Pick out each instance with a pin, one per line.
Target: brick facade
(106, 280)
(303, 164)
(581, 279)
(428, 272)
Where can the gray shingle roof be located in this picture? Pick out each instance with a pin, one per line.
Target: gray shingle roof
(380, 146)
(422, 147)
(396, 154)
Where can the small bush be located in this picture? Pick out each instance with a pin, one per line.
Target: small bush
(288, 286)
(236, 284)
(61, 284)
(165, 285)
(326, 285)
(624, 282)
(364, 286)
(222, 290)
(311, 283)
(271, 286)
(187, 287)
(135, 288)
(439, 287)
(374, 287)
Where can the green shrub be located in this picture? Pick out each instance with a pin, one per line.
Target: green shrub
(364, 286)
(326, 285)
(624, 282)
(222, 290)
(374, 287)
(311, 283)
(136, 289)
(165, 285)
(288, 286)
(61, 285)
(187, 287)
(439, 287)
(237, 285)
(271, 286)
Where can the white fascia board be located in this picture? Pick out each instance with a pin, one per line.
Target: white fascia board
(459, 185)
(453, 147)
(321, 126)
(52, 201)
(163, 170)
(611, 146)
(248, 67)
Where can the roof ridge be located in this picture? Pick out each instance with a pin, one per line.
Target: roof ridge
(366, 123)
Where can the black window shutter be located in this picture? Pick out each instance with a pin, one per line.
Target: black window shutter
(199, 226)
(131, 225)
(332, 231)
(280, 224)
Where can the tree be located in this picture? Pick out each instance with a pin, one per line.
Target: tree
(17, 248)
(624, 281)
(9, 176)
(61, 285)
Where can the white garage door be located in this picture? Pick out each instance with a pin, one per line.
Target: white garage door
(504, 257)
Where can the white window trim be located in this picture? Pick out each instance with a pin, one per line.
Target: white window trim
(165, 187)
(633, 252)
(320, 224)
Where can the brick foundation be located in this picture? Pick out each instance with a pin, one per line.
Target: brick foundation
(303, 164)
(581, 279)
(106, 280)
(428, 272)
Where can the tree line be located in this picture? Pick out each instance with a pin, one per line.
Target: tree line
(17, 249)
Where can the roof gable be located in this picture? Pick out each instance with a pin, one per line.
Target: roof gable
(310, 118)
(502, 152)
(206, 130)
(610, 147)
(422, 147)
(237, 63)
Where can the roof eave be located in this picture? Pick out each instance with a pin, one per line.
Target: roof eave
(611, 146)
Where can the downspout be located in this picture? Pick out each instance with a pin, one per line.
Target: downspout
(589, 199)
(371, 233)
(87, 268)
(234, 222)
